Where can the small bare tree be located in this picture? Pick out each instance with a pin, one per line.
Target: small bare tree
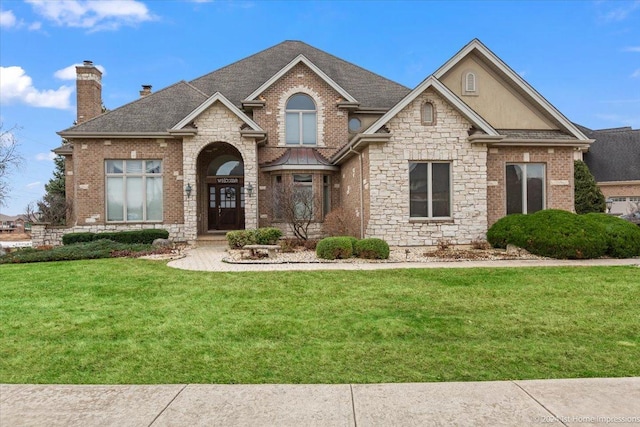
(10, 159)
(297, 206)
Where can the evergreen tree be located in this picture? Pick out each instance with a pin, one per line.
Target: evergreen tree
(53, 207)
(588, 197)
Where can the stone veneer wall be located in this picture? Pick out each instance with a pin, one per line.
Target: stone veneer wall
(218, 124)
(46, 235)
(559, 176)
(389, 177)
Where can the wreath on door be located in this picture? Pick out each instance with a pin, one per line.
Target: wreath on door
(230, 193)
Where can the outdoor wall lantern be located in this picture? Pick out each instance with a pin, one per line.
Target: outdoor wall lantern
(609, 203)
(187, 190)
(250, 190)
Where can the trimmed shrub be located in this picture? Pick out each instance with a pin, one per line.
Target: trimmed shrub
(239, 238)
(146, 236)
(623, 237)
(334, 248)
(102, 248)
(268, 235)
(507, 230)
(71, 238)
(353, 245)
(551, 233)
(372, 248)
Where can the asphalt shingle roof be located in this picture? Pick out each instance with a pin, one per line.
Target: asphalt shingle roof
(153, 113)
(615, 154)
(163, 109)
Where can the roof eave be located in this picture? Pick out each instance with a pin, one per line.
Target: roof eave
(359, 141)
(299, 167)
(115, 135)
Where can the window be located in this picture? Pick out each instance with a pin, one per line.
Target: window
(470, 82)
(525, 188)
(303, 196)
(134, 190)
(354, 124)
(300, 120)
(326, 195)
(428, 114)
(430, 190)
(278, 194)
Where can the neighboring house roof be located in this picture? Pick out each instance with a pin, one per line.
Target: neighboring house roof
(12, 218)
(615, 154)
(299, 158)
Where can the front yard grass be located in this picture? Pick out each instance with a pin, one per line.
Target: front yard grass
(139, 322)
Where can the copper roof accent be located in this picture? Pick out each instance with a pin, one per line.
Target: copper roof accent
(300, 157)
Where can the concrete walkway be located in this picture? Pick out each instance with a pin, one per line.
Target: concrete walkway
(209, 258)
(570, 402)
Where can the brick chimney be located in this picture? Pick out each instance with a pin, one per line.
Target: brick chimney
(146, 90)
(88, 91)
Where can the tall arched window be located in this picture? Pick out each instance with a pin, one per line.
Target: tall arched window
(301, 123)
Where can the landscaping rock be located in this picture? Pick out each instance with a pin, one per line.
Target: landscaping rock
(2, 251)
(162, 243)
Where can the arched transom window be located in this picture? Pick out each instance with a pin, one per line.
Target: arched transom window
(301, 120)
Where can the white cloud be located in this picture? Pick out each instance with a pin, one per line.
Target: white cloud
(7, 19)
(632, 49)
(46, 156)
(17, 86)
(35, 26)
(92, 14)
(69, 73)
(620, 12)
(33, 184)
(635, 74)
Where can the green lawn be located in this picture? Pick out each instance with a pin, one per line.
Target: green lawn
(136, 321)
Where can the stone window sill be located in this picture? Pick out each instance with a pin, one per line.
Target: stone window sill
(432, 220)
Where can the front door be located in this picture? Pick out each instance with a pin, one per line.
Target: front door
(226, 206)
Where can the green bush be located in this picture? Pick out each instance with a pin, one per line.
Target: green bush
(71, 238)
(239, 238)
(334, 248)
(102, 248)
(146, 236)
(372, 249)
(551, 233)
(353, 245)
(268, 235)
(623, 237)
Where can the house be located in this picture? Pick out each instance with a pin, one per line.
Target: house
(470, 144)
(13, 224)
(614, 161)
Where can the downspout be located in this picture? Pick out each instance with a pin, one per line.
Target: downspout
(351, 150)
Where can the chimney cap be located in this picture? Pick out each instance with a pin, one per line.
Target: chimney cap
(88, 63)
(146, 86)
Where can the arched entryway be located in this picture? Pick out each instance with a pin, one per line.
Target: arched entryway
(221, 203)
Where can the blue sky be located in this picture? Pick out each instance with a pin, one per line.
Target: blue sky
(583, 56)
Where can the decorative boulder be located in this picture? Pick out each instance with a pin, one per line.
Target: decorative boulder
(162, 243)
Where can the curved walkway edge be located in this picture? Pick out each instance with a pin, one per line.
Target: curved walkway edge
(596, 401)
(209, 258)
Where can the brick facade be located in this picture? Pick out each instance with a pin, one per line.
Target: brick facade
(558, 163)
(89, 157)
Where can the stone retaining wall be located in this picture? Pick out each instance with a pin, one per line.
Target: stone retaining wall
(47, 235)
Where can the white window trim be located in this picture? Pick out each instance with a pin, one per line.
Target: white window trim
(282, 116)
(124, 176)
(430, 191)
(524, 185)
(466, 89)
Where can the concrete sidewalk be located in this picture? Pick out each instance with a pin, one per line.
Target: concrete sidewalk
(209, 258)
(583, 402)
